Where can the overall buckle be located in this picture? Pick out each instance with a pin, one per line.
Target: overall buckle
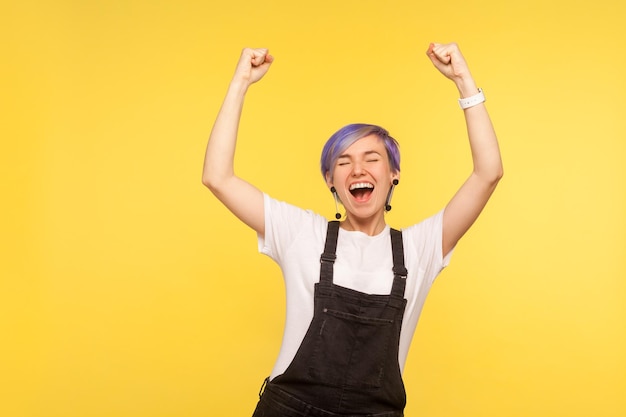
(328, 258)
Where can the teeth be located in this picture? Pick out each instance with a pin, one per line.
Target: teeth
(361, 185)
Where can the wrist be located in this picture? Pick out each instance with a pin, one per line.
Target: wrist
(466, 87)
(473, 100)
(238, 86)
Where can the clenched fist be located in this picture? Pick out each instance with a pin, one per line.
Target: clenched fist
(447, 58)
(252, 65)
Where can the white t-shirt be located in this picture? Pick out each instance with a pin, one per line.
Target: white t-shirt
(294, 238)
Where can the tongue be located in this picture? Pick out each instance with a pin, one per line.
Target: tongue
(362, 194)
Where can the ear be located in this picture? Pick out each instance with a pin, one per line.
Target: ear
(329, 180)
(395, 175)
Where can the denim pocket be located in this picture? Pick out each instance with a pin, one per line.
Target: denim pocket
(351, 350)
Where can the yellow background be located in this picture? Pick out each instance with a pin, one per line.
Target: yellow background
(128, 290)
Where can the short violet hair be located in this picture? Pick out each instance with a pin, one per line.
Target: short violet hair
(347, 135)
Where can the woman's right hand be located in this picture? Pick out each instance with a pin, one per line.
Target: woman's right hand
(252, 65)
(239, 196)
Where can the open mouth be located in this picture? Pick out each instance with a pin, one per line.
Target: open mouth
(361, 191)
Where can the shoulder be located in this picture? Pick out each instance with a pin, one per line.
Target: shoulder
(286, 224)
(426, 229)
(285, 213)
(423, 242)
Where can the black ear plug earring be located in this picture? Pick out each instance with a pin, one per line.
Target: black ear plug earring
(334, 191)
(393, 185)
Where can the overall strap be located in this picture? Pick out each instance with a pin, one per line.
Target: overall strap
(399, 270)
(327, 259)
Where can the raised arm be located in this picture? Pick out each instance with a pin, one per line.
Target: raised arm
(243, 199)
(466, 205)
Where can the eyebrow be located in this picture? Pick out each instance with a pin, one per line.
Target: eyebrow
(366, 153)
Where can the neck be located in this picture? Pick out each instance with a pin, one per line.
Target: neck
(371, 226)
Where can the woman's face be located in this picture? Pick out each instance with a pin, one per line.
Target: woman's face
(362, 177)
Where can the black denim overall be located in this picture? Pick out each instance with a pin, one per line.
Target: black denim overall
(347, 364)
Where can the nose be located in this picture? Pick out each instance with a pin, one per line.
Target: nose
(357, 169)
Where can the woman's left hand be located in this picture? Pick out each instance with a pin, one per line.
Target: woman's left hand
(447, 58)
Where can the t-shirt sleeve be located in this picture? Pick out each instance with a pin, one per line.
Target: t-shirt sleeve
(425, 241)
(283, 224)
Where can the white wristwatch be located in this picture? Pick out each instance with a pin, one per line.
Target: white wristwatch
(471, 101)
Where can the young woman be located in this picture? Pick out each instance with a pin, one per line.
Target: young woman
(355, 287)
